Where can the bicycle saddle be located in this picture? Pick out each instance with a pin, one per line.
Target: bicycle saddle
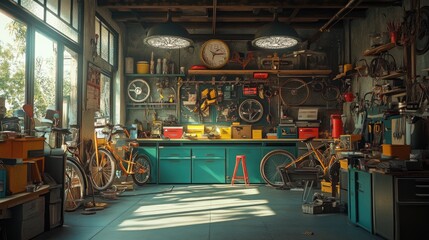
(308, 139)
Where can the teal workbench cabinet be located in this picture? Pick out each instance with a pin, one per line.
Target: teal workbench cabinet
(183, 161)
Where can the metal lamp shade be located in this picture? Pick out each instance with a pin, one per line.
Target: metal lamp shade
(168, 35)
(276, 35)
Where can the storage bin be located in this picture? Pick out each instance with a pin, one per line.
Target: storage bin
(308, 132)
(256, 134)
(173, 132)
(402, 152)
(16, 178)
(28, 220)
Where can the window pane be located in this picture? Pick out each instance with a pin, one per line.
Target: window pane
(61, 26)
(97, 32)
(52, 5)
(104, 43)
(12, 67)
(65, 10)
(105, 95)
(111, 49)
(75, 19)
(35, 8)
(70, 87)
(44, 75)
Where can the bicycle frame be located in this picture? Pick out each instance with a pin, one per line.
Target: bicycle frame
(109, 146)
(319, 157)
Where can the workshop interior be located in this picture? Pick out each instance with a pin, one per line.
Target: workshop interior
(112, 111)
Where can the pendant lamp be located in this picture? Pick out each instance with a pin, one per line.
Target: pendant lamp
(276, 35)
(168, 35)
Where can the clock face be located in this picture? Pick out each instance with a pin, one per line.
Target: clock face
(214, 53)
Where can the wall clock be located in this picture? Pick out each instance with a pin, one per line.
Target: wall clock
(214, 53)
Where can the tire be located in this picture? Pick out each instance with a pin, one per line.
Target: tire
(74, 185)
(102, 170)
(270, 164)
(141, 169)
(294, 92)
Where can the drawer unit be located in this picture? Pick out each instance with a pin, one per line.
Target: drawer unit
(174, 165)
(413, 190)
(208, 165)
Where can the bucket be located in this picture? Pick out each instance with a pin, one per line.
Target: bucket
(336, 125)
(142, 67)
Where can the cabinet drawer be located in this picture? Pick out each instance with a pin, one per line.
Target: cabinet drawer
(413, 190)
(174, 171)
(174, 153)
(208, 153)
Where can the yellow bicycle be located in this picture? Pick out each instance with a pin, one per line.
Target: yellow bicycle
(110, 153)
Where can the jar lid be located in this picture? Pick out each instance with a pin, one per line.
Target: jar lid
(142, 62)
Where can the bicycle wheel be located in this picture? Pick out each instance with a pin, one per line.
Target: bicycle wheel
(294, 92)
(141, 169)
(74, 185)
(331, 93)
(138, 90)
(270, 164)
(102, 170)
(250, 110)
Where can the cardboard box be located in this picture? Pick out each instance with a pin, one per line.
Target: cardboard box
(241, 131)
(402, 152)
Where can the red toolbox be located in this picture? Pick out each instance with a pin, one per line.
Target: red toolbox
(173, 132)
(307, 132)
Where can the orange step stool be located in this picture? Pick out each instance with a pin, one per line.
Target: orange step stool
(245, 177)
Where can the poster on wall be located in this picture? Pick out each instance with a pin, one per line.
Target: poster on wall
(93, 87)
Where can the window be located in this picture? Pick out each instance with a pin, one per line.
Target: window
(105, 94)
(70, 87)
(63, 15)
(12, 65)
(107, 42)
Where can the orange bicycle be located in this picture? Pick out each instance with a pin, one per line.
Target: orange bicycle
(110, 153)
(321, 157)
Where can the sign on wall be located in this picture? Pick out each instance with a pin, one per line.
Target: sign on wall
(93, 87)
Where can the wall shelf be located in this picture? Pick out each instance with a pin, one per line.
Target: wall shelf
(393, 75)
(250, 72)
(153, 75)
(380, 49)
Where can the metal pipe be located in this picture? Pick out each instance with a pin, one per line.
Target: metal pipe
(337, 16)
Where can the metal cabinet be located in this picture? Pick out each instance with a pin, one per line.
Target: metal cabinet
(151, 153)
(253, 160)
(360, 198)
(174, 164)
(401, 206)
(208, 165)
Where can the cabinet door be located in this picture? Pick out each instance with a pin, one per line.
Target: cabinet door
(174, 165)
(208, 165)
(151, 153)
(352, 195)
(253, 160)
(364, 200)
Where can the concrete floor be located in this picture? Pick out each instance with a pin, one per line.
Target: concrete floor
(206, 212)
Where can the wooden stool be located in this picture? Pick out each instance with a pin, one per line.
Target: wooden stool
(245, 177)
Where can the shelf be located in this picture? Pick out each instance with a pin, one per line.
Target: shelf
(250, 72)
(154, 75)
(380, 49)
(142, 105)
(393, 92)
(393, 75)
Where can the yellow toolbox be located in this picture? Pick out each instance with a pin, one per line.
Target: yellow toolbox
(225, 132)
(327, 187)
(195, 130)
(257, 133)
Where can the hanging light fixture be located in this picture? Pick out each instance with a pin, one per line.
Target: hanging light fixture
(276, 35)
(168, 35)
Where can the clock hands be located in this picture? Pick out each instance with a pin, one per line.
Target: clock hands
(216, 52)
